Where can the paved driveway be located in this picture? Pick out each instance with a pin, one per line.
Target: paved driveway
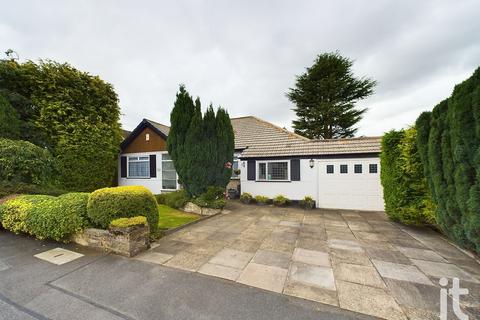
(358, 261)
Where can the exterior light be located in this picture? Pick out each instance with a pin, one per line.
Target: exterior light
(312, 163)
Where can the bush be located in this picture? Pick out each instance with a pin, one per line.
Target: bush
(262, 199)
(161, 198)
(307, 202)
(24, 162)
(10, 124)
(176, 199)
(281, 201)
(8, 188)
(246, 198)
(58, 218)
(213, 198)
(405, 191)
(16, 211)
(108, 204)
(128, 222)
(449, 141)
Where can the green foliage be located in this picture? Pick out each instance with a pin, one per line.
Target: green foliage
(108, 204)
(74, 114)
(262, 199)
(22, 161)
(16, 211)
(200, 146)
(405, 191)
(307, 202)
(213, 198)
(281, 201)
(58, 218)
(246, 198)
(325, 97)
(176, 199)
(449, 143)
(161, 198)
(171, 218)
(9, 188)
(128, 222)
(10, 120)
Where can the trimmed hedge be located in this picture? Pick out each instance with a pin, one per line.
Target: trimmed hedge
(449, 144)
(405, 191)
(108, 204)
(176, 199)
(24, 162)
(128, 222)
(46, 217)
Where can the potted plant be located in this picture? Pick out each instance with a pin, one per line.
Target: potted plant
(307, 203)
(246, 198)
(262, 200)
(281, 201)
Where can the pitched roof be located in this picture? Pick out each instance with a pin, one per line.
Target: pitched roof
(251, 131)
(163, 128)
(316, 147)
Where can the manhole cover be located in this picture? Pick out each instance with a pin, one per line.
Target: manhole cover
(58, 256)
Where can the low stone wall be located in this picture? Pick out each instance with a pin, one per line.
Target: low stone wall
(123, 241)
(193, 208)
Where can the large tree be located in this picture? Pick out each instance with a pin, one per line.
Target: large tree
(72, 113)
(325, 97)
(200, 146)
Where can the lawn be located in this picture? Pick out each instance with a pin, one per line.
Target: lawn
(171, 218)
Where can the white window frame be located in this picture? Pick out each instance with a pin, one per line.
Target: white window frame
(235, 160)
(266, 168)
(161, 174)
(129, 159)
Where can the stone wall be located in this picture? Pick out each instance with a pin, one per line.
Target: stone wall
(123, 241)
(193, 208)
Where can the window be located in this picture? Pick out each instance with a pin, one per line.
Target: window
(373, 168)
(343, 168)
(169, 175)
(139, 167)
(273, 171)
(235, 167)
(329, 168)
(358, 168)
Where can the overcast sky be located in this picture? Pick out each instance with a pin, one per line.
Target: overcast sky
(244, 55)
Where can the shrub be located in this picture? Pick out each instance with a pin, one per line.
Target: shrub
(9, 187)
(16, 211)
(24, 162)
(161, 198)
(281, 201)
(77, 202)
(405, 191)
(246, 198)
(176, 199)
(128, 222)
(108, 204)
(307, 202)
(213, 198)
(262, 199)
(10, 124)
(449, 141)
(57, 218)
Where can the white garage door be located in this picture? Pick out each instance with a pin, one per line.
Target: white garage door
(350, 184)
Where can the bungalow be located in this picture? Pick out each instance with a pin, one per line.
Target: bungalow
(337, 173)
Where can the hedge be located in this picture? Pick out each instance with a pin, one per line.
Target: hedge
(46, 217)
(128, 222)
(24, 162)
(108, 204)
(405, 192)
(449, 142)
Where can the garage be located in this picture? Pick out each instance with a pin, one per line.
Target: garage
(350, 184)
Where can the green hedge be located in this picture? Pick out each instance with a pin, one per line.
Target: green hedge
(405, 191)
(46, 217)
(24, 162)
(176, 199)
(449, 143)
(108, 204)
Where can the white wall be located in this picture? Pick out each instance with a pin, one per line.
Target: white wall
(153, 184)
(341, 191)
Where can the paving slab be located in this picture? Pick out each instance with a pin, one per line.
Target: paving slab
(171, 247)
(276, 244)
(220, 271)
(317, 258)
(321, 295)
(348, 256)
(312, 244)
(351, 245)
(205, 247)
(388, 256)
(58, 256)
(421, 254)
(368, 300)
(317, 276)
(187, 261)
(272, 258)
(439, 269)
(340, 235)
(372, 236)
(264, 277)
(293, 224)
(364, 275)
(245, 245)
(401, 272)
(232, 258)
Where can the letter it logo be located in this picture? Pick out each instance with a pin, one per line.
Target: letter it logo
(455, 292)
